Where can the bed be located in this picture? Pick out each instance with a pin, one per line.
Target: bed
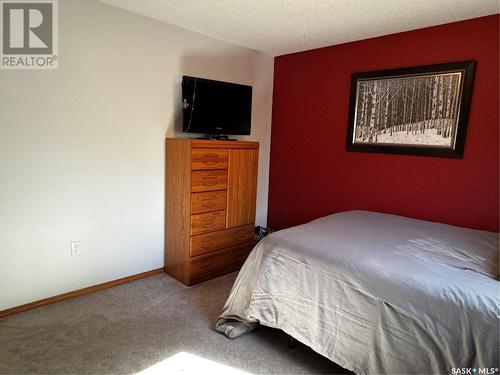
(375, 293)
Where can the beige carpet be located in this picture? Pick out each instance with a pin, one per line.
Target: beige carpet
(131, 327)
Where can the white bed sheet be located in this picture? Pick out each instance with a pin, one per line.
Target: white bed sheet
(375, 293)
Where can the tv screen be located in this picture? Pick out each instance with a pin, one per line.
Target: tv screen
(215, 107)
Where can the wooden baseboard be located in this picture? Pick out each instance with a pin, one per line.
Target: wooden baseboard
(79, 292)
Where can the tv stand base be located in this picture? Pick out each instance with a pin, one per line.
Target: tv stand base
(218, 137)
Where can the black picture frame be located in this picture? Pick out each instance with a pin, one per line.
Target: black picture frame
(406, 106)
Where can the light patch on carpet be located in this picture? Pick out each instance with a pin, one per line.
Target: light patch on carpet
(186, 363)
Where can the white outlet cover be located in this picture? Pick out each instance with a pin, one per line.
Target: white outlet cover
(75, 248)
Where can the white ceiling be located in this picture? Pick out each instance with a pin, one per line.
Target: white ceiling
(283, 26)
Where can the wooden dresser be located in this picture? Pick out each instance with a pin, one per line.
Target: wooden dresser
(211, 188)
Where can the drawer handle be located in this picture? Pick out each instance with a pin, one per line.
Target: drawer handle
(208, 246)
(208, 198)
(242, 237)
(209, 183)
(212, 155)
(208, 239)
(209, 265)
(208, 225)
(209, 204)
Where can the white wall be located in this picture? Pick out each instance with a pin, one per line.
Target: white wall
(82, 147)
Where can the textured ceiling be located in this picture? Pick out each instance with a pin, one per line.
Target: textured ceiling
(283, 26)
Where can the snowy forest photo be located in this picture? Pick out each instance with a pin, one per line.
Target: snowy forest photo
(419, 110)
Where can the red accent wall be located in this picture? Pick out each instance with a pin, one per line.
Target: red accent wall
(312, 175)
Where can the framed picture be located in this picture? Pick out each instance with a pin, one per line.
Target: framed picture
(420, 110)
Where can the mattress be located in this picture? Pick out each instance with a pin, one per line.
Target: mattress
(375, 293)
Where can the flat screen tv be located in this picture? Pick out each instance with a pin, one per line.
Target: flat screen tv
(215, 108)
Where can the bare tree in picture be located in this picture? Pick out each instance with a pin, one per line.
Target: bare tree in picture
(419, 110)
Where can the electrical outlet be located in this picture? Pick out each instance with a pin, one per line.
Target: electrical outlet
(75, 248)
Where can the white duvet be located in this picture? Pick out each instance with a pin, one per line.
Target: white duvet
(376, 293)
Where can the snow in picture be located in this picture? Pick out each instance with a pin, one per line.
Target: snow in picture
(412, 110)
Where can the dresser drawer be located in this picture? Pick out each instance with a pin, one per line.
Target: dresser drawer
(208, 201)
(208, 222)
(209, 159)
(218, 262)
(208, 180)
(205, 243)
